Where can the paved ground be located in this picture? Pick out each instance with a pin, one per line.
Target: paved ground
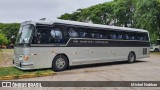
(147, 69)
(6, 59)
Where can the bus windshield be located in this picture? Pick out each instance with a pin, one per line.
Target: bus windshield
(24, 34)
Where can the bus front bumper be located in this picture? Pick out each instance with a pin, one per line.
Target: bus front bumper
(23, 65)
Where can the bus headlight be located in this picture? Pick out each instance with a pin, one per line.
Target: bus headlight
(20, 57)
(25, 57)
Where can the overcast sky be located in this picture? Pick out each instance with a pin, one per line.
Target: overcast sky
(22, 10)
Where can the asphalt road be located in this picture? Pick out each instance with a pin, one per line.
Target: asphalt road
(147, 69)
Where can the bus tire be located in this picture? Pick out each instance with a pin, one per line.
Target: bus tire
(156, 50)
(60, 63)
(131, 57)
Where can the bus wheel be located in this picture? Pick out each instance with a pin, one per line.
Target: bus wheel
(131, 57)
(60, 63)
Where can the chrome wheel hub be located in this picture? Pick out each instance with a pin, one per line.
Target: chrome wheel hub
(60, 63)
(131, 57)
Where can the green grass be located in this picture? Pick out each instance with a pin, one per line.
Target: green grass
(156, 53)
(7, 50)
(12, 71)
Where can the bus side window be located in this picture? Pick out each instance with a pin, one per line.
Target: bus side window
(107, 35)
(102, 36)
(129, 36)
(83, 34)
(141, 37)
(36, 38)
(146, 37)
(137, 36)
(43, 38)
(113, 36)
(95, 35)
(56, 36)
(119, 35)
(133, 38)
(126, 37)
(72, 32)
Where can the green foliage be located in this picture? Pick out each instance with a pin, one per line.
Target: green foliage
(147, 17)
(123, 12)
(142, 14)
(3, 39)
(9, 30)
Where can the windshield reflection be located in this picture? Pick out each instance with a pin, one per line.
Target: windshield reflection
(24, 34)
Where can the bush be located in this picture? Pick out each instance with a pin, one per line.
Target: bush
(3, 39)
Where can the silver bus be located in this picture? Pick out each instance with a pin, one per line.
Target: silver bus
(59, 44)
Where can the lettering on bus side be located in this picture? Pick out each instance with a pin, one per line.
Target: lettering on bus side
(105, 43)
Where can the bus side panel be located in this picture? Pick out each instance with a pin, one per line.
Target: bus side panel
(104, 54)
(43, 56)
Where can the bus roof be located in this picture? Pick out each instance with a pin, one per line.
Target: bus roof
(86, 24)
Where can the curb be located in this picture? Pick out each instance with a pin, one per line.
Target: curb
(26, 76)
(6, 78)
(46, 74)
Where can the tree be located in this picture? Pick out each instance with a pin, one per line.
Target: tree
(123, 11)
(3, 39)
(147, 17)
(9, 30)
